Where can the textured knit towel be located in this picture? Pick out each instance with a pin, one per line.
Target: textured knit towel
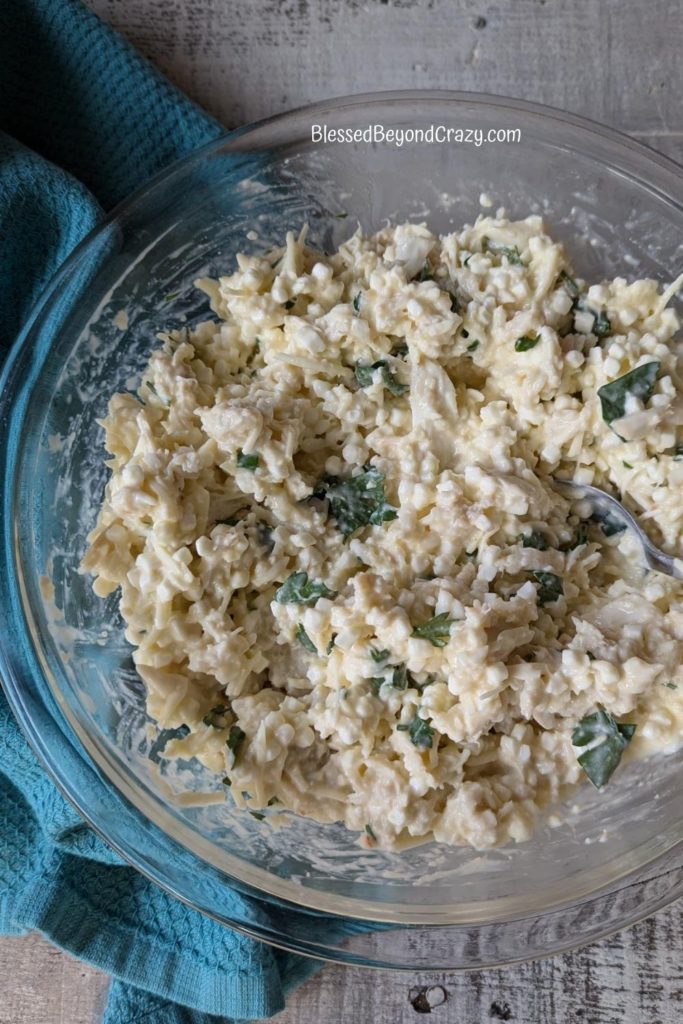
(83, 121)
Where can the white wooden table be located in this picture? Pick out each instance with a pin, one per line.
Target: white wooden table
(617, 61)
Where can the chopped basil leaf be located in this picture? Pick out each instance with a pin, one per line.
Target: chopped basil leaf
(420, 732)
(370, 833)
(331, 643)
(525, 343)
(602, 324)
(289, 303)
(356, 304)
(639, 382)
(298, 589)
(437, 629)
(425, 273)
(247, 460)
(569, 284)
(550, 587)
(357, 501)
(365, 375)
(534, 539)
(601, 760)
(379, 656)
(609, 523)
(473, 345)
(215, 716)
(511, 252)
(236, 738)
(304, 639)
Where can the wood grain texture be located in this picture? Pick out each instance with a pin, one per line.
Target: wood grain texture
(606, 59)
(613, 60)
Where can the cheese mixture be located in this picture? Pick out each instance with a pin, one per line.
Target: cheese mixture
(350, 581)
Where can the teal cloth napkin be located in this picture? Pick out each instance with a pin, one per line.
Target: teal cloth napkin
(84, 120)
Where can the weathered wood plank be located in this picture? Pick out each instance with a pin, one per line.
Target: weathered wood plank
(600, 58)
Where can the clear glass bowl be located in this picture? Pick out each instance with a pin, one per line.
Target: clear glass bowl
(65, 662)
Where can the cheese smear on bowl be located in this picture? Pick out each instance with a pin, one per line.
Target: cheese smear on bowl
(343, 564)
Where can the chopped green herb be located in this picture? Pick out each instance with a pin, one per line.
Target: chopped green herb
(420, 732)
(569, 284)
(510, 252)
(473, 345)
(289, 304)
(370, 833)
(400, 677)
(602, 758)
(437, 629)
(376, 684)
(273, 800)
(330, 645)
(626, 465)
(365, 375)
(609, 523)
(525, 343)
(356, 303)
(535, 539)
(425, 273)
(580, 537)
(467, 259)
(248, 460)
(304, 639)
(171, 296)
(550, 587)
(236, 738)
(341, 215)
(639, 383)
(357, 501)
(379, 656)
(455, 305)
(298, 589)
(215, 716)
(671, 686)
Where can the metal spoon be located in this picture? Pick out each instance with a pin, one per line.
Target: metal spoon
(603, 502)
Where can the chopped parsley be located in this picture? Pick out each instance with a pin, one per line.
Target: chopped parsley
(626, 465)
(550, 587)
(535, 539)
(304, 639)
(602, 324)
(525, 343)
(379, 656)
(298, 589)
(216, 716)
(365, 375)
(639, 383)
(473, 345)
(356, 304)
(247, 460)
(236, 738)
(580, 537)
(330, 646)
(671, 686)
(420, 732)
(370, 833)
(606, 739)
(357, 501)
(510, 252)
(437, 629)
